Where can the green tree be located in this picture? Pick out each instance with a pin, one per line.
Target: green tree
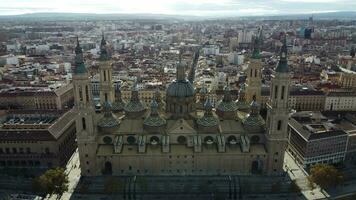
(325, 176)
(53, 181)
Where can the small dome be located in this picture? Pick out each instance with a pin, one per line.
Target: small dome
(180, 88)
(154, 120)
(108, 122)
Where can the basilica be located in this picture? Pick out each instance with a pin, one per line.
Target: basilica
(182, 134)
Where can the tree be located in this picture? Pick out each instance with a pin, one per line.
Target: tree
(325, 176)
(53, 181)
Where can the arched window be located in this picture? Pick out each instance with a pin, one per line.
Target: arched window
(275, 91)
(87, 93)
(282, 93)
(80, 94)
(279, 125)
(84, 126)
(251, 73)
(104, 75)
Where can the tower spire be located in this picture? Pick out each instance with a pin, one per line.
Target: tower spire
(79, 60)
(103, 49)
(256, 48)
(283, 61)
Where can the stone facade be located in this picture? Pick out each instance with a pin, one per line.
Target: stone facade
(179, 139)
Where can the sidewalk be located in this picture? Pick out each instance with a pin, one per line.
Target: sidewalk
(298, 174)
(73, 171)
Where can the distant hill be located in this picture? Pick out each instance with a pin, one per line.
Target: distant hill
(349, 15)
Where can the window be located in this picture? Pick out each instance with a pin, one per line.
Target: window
(282, 93)
(275, 92)
(21, 150)
(14, 150)
(87, 93)
(84, 126)
(104, 75)
(256, 73)
(279, 125)
(80, 94)
(251, 73)
(28, 150)
(1, 151)
(106, 96)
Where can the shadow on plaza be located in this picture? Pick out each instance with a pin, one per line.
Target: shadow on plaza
(187, 187)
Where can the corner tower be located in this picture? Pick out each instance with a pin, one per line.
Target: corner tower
(84, 106)
(106, 84)
(278, 114)
(254, 78)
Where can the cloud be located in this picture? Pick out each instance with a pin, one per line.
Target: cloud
(181, 7)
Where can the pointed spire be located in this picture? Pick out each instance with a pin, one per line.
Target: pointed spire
(154, 107)
(79, 60)
(283, 61)
(242, 92)
(227, 93)
(256, 48)
(208, 105)
(255, 107)
(103, 49)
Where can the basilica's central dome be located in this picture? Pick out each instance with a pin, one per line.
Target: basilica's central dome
(180, 88)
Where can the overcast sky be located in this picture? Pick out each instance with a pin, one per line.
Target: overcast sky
(180, 7)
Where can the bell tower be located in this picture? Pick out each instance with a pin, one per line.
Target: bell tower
(278, 114)
(254, 77)
(83, 106)
(106, 83)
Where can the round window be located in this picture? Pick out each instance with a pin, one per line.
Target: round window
(182, 140)
(107, 140)
(154, 140)
(131, 139)
(232, 139)
(209, 140)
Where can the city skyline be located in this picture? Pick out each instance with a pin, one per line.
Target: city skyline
(180, 7)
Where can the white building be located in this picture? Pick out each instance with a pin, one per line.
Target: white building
(235, 58)
(339, 101)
